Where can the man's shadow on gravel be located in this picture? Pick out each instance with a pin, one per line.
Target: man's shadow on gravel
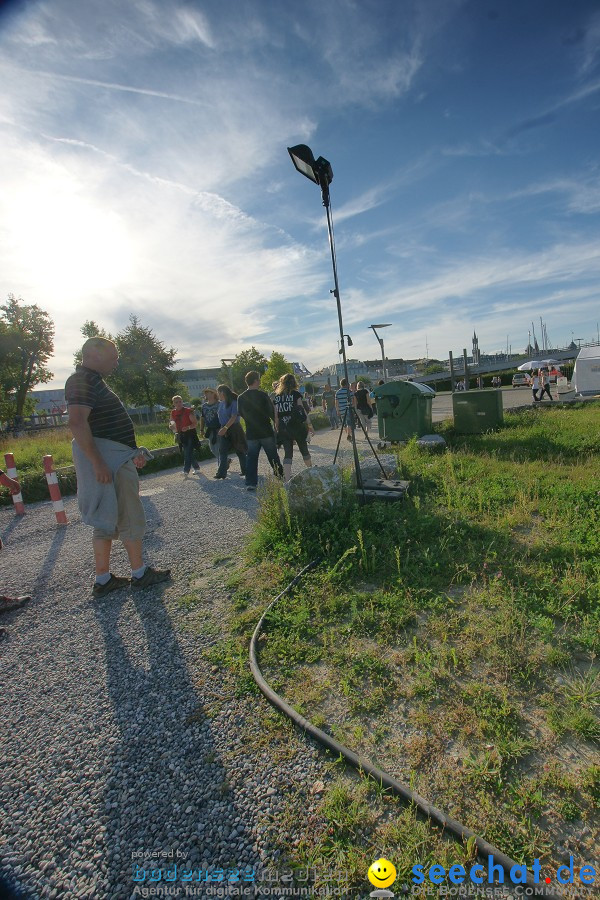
(6, 532)
(154, 520)
(166, 786)
(46, 575)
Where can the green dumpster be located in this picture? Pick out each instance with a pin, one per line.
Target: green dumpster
(403, 410)
(477, 411)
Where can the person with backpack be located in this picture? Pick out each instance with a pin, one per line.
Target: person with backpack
(294, 423)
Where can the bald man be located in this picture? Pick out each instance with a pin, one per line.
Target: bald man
(105, 452)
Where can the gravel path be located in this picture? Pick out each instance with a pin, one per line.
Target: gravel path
(117, 738)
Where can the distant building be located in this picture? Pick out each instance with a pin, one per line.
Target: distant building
(475, 355)
(335, 372)
(196, 380)
(394, 367)
(371, 368)
(49, 402)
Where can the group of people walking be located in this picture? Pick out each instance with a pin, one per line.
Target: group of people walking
(354, 399)
(540, 381)
(277, 420)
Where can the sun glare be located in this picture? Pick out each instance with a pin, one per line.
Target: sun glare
(65, 242)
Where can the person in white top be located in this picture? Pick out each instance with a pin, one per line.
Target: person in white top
(545, 383)
(535, 385)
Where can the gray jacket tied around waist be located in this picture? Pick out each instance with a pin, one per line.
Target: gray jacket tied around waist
(98, 502)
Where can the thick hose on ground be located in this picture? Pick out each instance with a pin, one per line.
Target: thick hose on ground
(447, 823)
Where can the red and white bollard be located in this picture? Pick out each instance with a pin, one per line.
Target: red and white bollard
(11, 471)
(52, 479)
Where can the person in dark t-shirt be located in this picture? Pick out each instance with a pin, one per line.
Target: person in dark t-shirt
(209, 419)
(257, 411)
(102, 430)
(364, 407)
(329, 406)
(294, 423)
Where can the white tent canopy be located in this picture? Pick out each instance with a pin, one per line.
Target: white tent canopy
(586, 375)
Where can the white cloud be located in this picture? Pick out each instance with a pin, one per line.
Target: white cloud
(582, 193)
(142, 148)
(591, 44)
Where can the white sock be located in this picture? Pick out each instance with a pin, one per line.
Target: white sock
(104, 578)
(137, 573)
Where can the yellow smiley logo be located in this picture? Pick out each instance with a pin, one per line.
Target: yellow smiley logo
(381, 873)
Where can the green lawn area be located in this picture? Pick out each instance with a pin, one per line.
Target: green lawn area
(452, 640)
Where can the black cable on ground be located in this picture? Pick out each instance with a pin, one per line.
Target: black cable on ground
(447, 823)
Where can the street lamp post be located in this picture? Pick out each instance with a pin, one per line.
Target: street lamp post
(320, 172)
(380, 339)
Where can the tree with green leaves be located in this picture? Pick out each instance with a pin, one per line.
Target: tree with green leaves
(434, 367)
(278, 366)
(145, 375)
(26, 345)
(246, 361)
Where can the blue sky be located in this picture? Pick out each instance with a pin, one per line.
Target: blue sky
(143, 169)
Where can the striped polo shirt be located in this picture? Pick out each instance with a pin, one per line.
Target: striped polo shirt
(344, 399)
(108, 417)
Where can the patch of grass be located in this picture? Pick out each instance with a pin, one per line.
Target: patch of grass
(435, 634)
(570, 720)
(188, 601)
(573, 708)
(229, 656)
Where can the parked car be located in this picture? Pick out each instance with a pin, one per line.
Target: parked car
(520, 379)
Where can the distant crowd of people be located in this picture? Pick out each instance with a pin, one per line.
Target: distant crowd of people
(350, 399)
(540, 381)
(274, 421)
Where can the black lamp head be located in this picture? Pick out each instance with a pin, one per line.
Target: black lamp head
(318, 170)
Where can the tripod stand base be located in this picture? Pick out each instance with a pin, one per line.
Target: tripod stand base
(383, 489)
(386, 484)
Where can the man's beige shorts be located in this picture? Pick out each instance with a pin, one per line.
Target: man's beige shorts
(131, 523)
